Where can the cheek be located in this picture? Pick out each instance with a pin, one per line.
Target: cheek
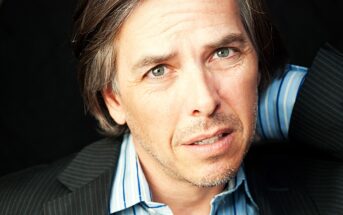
(154, 113)
(240, 94)
(239, 90)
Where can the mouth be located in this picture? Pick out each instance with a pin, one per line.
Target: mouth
(210, 145)
(210, 140)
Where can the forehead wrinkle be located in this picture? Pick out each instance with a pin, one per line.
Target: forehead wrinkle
(186, 21)
(174, 16)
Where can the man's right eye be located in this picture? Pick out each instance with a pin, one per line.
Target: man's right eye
(157, 72)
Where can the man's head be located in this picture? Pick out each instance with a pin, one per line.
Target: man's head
(98, 23)
(182, 75)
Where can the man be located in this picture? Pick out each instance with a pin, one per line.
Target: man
(184, 77)
(186, 86)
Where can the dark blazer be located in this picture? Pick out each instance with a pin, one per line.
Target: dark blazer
(76, 185)
(300, 177)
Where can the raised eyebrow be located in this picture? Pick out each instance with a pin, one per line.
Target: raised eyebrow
(152, 60)
(228, 39)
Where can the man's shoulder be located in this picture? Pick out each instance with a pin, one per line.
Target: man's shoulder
(26, 191)
(288, 178)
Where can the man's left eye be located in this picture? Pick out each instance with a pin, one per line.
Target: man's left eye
(223, 52)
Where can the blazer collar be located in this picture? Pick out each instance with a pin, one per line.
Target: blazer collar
(89, 176)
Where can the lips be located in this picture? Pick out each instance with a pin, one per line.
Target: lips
(209, 138)
(211, 145)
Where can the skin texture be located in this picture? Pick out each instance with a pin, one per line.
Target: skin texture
(186, 71)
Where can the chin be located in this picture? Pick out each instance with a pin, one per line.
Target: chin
(217, 175)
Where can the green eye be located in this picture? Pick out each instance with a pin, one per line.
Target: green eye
(223, 52)
(158, 71)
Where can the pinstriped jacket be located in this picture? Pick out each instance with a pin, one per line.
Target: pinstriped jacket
(78, 185)
(288, 178)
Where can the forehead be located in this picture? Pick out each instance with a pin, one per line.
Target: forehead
(160, 13)
(157, 25)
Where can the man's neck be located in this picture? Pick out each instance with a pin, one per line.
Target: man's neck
(181, 196)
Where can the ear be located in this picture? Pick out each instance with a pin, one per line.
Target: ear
(114, 105)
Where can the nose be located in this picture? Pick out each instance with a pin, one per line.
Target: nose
(203, 98)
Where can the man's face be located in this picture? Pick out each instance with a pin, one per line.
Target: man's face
(187, 76)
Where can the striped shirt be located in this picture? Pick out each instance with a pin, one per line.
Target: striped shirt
(276, 104)
(131, 194)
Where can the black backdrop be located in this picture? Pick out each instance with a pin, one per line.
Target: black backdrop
(41, 113)
(42, 117)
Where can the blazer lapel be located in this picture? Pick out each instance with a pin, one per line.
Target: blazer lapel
(89, 178)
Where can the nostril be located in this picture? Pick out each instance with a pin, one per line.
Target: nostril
(196, 112)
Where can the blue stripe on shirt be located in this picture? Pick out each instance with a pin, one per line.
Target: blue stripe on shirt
(277, 104)
(123, 180)
(138, 182)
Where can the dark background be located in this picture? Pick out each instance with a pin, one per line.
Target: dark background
(42, 117)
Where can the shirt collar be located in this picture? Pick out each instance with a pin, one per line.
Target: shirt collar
(234, 184)
(130, 186)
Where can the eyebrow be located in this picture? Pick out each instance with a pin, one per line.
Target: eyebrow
(154, 60)
(229, 39)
